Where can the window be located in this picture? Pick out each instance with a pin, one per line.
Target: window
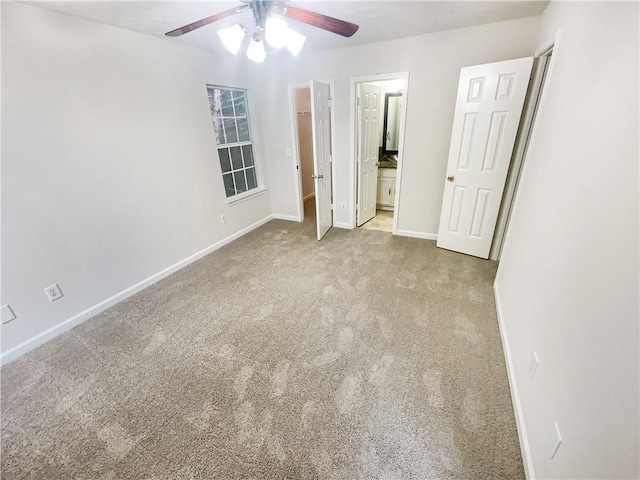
(233, 136)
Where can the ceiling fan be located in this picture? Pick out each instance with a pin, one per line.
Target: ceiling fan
(273, 29)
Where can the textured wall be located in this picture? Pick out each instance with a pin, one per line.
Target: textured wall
(434, 63)
(109, 168)
(568, 278)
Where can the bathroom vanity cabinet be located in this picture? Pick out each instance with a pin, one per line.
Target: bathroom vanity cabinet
(386, 188)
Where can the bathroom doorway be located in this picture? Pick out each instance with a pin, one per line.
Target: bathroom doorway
(379, 114)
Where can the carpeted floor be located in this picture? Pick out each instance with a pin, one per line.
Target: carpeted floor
(364, 355)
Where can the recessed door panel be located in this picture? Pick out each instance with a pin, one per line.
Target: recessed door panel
(466, 141)
(368, 116)
(505, 84)
(456, 209)
(480, 212)
(321, 124)
(476, 89)
(486, 118)
(494, 141)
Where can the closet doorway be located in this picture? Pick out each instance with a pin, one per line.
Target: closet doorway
(312, 120)
(304, 137)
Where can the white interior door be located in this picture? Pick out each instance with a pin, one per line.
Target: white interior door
(321, 128)
(485, 123)
(368, 130)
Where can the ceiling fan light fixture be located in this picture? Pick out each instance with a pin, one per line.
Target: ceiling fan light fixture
(276, 32)
(294, 42)
(256, 51)
(232, 38)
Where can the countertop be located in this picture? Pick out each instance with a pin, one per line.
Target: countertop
(387, 164)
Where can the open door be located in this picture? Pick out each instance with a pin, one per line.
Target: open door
(321, 129)
(368, 118)
(485, 123)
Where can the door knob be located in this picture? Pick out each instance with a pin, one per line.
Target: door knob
(451, 178)
(317, 176)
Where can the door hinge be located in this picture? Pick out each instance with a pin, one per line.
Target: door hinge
(330, 158)
(332, 206)
(358, 101)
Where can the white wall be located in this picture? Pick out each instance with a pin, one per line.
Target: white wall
(567, 285)
(110, 172)
(434, 63)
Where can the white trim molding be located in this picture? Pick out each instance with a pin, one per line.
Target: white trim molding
(424, 236)
(343, 225)
(52, 332)
(290, 218)
(525, 449)
(242, 197)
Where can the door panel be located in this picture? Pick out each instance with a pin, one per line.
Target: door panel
(368, 129)
(321, 129)
(487, 115)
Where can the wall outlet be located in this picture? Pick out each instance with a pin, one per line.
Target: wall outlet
(7, 314)
(223, 219)
(533, 366)
(53, 292)
(343, 205)
(556, 440)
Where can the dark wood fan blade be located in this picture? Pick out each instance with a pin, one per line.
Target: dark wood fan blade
(346, 29)
(205, 21)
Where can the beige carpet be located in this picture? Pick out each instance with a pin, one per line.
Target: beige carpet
(361, 356)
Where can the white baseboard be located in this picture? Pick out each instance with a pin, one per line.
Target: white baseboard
(424, 236)
(525, 449)
(343, 225)
(307, 197)
(48, 334)
(291, 218)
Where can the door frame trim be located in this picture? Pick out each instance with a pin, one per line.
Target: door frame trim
(525, 447)
(295, 147)
(519, 161)
(353, 187)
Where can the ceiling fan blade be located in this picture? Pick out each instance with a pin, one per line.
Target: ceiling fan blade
(346, 29)
(205, 21)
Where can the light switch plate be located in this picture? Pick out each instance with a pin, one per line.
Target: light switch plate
(557, 440)
(7, 314)
(533, 366)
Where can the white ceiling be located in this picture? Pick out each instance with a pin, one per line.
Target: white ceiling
(378, 20)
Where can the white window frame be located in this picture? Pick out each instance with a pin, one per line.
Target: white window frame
(259, 188)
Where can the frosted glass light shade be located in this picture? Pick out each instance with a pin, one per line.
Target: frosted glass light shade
(294, 42)
(256, 51)
(232, 38)
(276, 32)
